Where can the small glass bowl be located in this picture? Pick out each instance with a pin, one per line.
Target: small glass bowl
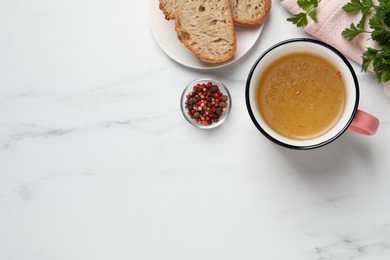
(190, 87)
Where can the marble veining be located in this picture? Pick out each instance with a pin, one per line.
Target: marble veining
(351, 249)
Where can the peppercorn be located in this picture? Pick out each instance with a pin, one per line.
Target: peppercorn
(219, 111)
(222, 104)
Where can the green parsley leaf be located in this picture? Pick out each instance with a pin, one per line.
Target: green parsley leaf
(368, 56)
(380, 33)
(299, 19)
(351, 32)
(313, 15)
(353, 6)
(309, 7)
(304, 4)
(380, 60)
(367, 3)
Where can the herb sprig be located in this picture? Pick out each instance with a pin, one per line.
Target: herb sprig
(309, 7)
(379, 31)
(379, 24)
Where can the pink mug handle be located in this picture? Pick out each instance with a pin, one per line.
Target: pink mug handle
(364, 123)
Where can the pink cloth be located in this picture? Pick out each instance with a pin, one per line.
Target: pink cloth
(332, 20)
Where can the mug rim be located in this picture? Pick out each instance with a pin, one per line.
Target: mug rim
(316, 145)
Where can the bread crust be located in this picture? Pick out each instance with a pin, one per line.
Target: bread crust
(168, 7)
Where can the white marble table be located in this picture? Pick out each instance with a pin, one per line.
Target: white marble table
(97, 162)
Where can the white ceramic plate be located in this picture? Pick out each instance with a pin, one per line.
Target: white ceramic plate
(165, 36)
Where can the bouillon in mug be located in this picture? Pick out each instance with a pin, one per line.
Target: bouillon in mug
(303, 94)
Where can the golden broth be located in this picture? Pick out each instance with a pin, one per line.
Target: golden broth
(301, 96)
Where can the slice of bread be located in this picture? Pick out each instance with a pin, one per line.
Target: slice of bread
(206, 28)
(249, 12)
(244, 12)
